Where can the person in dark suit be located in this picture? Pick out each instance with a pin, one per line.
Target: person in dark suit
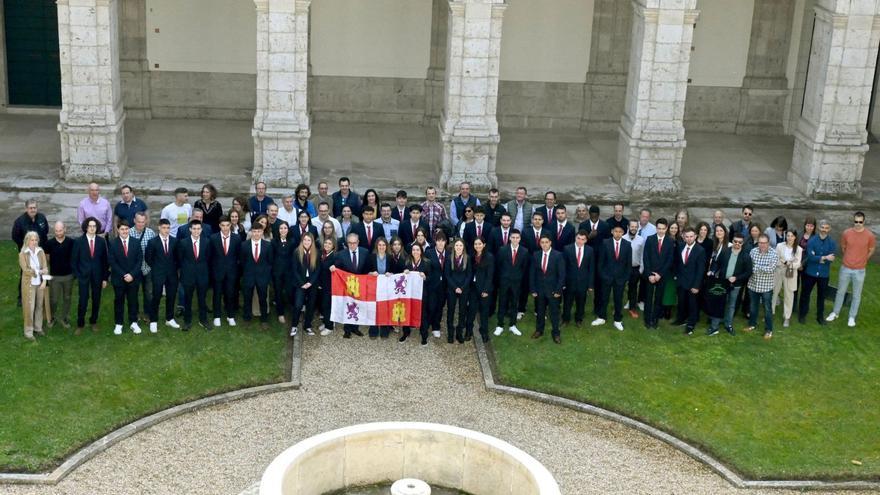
(408, 228)
(563, 231)
(305, 270)
(303, 226)
(547, 281)
(197, 214)
(500, 235)
(91, 269)
(354, 259)
(458, 281)
(417, 262)
(256, 258)
(161, 255)
(325, 279)
(194, 259)
(126, 258)
(615, 260)
(531, 240)
(435, 284)
(512, 264)
(282, 279)
(480, 291)
(690, 269)
(580, 264)
(658, 265)
(479, 228)
(596, 228)
(368, 230)
(225, 249)
(547, 211)
(400, 212)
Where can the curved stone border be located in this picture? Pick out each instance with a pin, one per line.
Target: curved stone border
(486, 358)
(293, 377)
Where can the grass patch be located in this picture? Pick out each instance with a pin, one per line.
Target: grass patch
(63, 392)
(804, 405)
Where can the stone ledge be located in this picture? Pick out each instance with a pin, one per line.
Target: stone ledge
(293, 377)
(485, 355)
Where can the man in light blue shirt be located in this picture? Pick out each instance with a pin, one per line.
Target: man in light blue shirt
(389, 225)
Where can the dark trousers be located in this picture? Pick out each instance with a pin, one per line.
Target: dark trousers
(283, 292)
(451, 300)
(607, 289)
(577, 298)
(632, 288)
(303, 297)
(478, 305)
(423, 327)
(88, 287)
(688, 307)
(542, 304)
(201, 290)
(821, 284)
(225, 289)
(508, 303)
(262, 295)
(523, 296)
(438, 298)
(127, 292)
(169, 283)
(146, 287)
(653, 300)
(326, 306)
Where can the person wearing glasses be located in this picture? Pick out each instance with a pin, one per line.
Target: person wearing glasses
(819, 256)
(857, 245)
(743, 226)
(735, 265)
(353, 259)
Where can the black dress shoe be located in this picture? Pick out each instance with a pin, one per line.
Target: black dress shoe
(557, 339)
(346, 335)
(822, 323)
(204, 324)
(537, 335)
(424, 342)
(357, 332)
(485, 338)
(678, 323)
(802, 320)
(185, 327)
(689, 331)
(403, 338)
(450, 339)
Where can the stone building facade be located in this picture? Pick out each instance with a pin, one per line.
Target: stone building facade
(649, 70)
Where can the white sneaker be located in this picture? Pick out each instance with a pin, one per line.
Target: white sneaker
(292, 331)
(282, 320)
(618, 325)
(171, 323)
(498, 331)
(321, 328)
(217, 322)
(135, 328)
(326, 331)
(515, 330)
(851, 322)
(230, 321)
(626, 305)
(436, 334)
(597, 322)
(154, 327)
(309, 332)
(519, 316)
(641, 306)
(117, 330)
(831, 317)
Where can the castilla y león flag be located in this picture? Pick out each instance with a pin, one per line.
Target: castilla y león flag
(377, 300)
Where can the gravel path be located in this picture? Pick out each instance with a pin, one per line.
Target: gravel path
(224, 449)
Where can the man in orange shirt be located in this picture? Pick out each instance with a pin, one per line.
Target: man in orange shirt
(857, 245)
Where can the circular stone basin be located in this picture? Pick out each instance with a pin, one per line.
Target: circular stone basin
(374, 453)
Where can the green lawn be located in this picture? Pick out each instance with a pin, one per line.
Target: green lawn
(63, 392)
(804, 405)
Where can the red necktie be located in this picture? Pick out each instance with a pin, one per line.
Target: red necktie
(165, 243)
(225, 246)
(92, 247)
(125, 248)
(544, 264)
(354, 260)
(504, 242)
(442, 257)
(537, 237)
(513, 262)
(304, 229)
(660, 245)
(617, 250)
(257, 252)
(369, 235)
(687, 254)
(479, 231)
(559, 232)
(580, 256)
(196, 249)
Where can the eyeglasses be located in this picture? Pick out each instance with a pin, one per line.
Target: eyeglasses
(737, 242)
(858, 221)
(747, 214)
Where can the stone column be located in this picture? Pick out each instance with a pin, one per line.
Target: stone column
(92, 118)
(468, 127)
(282, 126)
(831, 137)
(652, 143)
(605, 87)
(133, 65)
(434, 82)
(765, 88)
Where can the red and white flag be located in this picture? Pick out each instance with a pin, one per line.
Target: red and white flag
(394, 300)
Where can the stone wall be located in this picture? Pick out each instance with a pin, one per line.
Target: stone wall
(133, 68)
(711, 108)
(540, 105)
(202, 95)
(367, 99)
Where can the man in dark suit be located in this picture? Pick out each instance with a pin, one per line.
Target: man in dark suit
(400, 212)
(547, 281)
(256, 258)
(690, 268)
(548, 211)
(500, 235)
(615, 260)
(353, 259)
(126, 258)
(161, 255)
(596, 228)
(91, 269)
(478, 228)
(563, 230)
(225, 255)
(512, 260)
(194, 259)
(657, 269)
(368, 230)
(531, 240)
(197, 214)
(408, 228)
(579, 267)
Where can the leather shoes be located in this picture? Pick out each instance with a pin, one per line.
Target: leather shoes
(557, 339)
(346, 335)
(357, 332)
(537, 335)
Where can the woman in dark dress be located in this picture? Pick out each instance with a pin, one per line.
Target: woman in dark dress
(306, 274)
(327, 259)
(418, 263)
(398, 256)
(282, 248)
(483, 264)
(212, 208)
(716, 286)
(458, 281)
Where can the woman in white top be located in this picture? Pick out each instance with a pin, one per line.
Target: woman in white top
(789, 254)
(34, 270)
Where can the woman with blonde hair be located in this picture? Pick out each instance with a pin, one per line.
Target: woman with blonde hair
(34, 272)
(304, 264)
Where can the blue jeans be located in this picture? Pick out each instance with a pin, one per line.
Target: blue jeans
(729, 308)
(765, 299)
(858, 280)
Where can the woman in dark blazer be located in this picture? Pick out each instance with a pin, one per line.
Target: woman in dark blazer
(327, 259)
(419, 263)
(480, 293)
(458, 281)
(398, 256)
(379, 263)
(303, 225)
(306, 272)
(283, 248)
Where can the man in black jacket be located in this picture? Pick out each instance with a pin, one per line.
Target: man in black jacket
(657, 268)
(161, 255)
(368, 230)
(579, 267)
(735, 267)
(91, 269)
(513, 262)
(30, 220)
(126, 258)
(353, 259)
(615, 260)
(256, 258)
(194, 259)
(690, 269)
(225, 248)
(547, 281)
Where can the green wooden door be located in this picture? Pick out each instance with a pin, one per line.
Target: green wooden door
(32, 64)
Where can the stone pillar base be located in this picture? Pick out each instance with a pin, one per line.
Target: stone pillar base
(649, 166)
(281, 159)
(822, 170)
(761, 111)
(92, 153)
(468, 158)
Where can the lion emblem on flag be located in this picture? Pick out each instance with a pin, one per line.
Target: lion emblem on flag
(353, 286)
(400, 285)
(352, 311)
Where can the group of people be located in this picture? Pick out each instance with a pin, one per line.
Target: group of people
(477, 259)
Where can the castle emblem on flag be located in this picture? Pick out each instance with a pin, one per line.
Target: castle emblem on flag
(353, 287)
(352, 311)
(400, 285)
(398, 313)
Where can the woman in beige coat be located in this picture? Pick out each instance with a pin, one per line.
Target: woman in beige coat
(789, 254)
(34, 270)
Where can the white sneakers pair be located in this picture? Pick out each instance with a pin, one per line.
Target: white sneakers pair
(229, 321)
(833, 316)
(513, 330)
(324, 330)
(601, 321)
(135, 329)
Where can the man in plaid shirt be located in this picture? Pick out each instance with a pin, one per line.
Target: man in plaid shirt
(764, 262)
(432, 210)
(141, 232)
